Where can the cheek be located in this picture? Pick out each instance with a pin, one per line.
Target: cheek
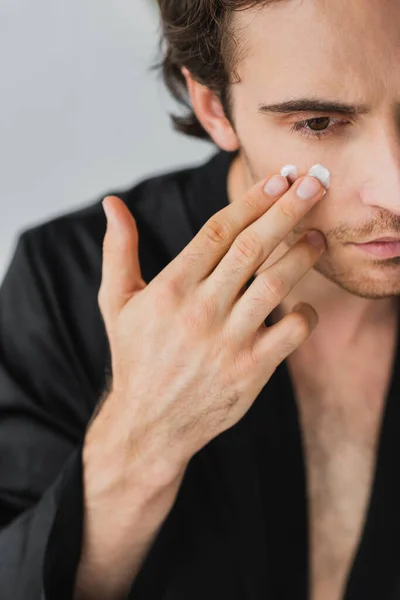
(319, 217)
(332, 216)
(267, 148)
(264, 158)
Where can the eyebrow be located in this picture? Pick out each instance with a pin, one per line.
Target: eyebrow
(314, 105)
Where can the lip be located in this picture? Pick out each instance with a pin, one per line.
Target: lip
(382, 239)
(382, 249)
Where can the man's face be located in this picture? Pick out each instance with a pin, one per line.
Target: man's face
(341, 51)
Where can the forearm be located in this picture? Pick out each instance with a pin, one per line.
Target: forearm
(125, 506)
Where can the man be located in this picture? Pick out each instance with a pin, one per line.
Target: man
(284, 486)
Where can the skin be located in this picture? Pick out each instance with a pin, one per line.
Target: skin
(297, 49)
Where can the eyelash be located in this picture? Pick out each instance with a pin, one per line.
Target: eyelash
(300, 126)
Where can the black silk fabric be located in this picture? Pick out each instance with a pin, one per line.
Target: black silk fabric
(238, 527)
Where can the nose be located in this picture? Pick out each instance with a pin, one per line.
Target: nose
(382, 167)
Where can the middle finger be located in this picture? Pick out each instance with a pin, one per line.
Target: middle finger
(254, 244)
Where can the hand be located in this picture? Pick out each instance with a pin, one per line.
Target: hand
(190, 351)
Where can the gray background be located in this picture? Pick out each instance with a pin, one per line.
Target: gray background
(80, 110)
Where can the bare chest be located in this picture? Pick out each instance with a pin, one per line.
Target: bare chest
(340, 418)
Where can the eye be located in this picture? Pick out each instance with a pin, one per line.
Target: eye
(319, 122)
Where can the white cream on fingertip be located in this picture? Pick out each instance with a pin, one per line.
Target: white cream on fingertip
(289, 171)
(318, 171)
(321, 173)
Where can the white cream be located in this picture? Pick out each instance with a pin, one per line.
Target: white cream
(290, 171)
(321, 173)
(318, 171)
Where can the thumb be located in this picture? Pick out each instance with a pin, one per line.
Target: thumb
(121, 273)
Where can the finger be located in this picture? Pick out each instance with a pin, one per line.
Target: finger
(277, 342)
(121, 273)
(255, 244)
(270, 287)
(198, 259)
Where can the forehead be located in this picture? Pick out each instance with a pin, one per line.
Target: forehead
(337, 44)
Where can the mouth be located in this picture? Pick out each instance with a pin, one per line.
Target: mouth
(382, 239)
(385, 247)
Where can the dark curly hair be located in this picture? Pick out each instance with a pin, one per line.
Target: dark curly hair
(197, 34)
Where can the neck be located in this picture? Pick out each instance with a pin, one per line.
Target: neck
(344, 319)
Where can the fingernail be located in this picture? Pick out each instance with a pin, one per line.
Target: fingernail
(276, 185)
(316, 239)
(110, 216)
(296, 306)
(106, 208)
(308, 188)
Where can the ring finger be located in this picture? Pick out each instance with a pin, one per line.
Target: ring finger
(270, 288)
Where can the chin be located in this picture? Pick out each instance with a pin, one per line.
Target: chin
(367, 278)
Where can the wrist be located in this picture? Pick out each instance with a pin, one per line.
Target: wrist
(116, 461)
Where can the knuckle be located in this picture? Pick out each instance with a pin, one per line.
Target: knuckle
(165, 297)
(200, 314)
(286, 210)
(189, 260)
(218, 230)
(249, 247)
(274, 285)
(256, 306)
(171, 288)
(163, 294)
(253, 201)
